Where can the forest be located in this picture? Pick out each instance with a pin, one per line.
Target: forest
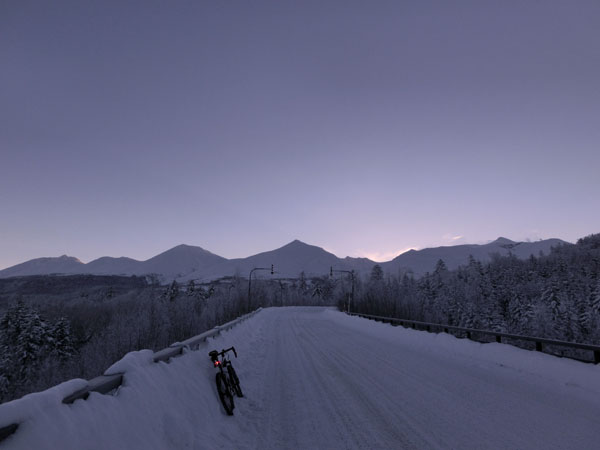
(56, 328)
(555, 296)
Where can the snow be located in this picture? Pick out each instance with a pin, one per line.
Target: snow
(317, 378)
(132, 361)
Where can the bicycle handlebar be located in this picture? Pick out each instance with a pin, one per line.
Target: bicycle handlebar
(222, 352)
(230, 348)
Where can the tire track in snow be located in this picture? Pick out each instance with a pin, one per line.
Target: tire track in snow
(313, 400)
(313, 381)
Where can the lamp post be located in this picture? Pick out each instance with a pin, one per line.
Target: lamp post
(250, 281)
(351, 272)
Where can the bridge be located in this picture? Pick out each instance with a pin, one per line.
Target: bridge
(318, 378)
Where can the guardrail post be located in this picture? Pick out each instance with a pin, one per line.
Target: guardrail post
(468, 335)
(596, 357)
(498, 338)
(8, 430)
(538, 346)
(445, 329)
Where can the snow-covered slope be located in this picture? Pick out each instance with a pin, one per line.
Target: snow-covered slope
(114, 266)
(315, 378)
(289, 261)
(186, 262)
(174, 263)
(181, 261)
(421, 261)
(40, 266)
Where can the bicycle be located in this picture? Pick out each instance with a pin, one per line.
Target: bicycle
(228, 382)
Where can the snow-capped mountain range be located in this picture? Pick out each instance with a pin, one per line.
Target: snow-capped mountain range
(186, 262)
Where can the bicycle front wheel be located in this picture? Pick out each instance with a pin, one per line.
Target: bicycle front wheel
(235, 381)
(225, 394)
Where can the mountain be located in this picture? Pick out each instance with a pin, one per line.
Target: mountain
(108, 265)
(422, 261)
(186, 262)
(181, 261)
(174, 263)
(359, 265)
(61, 265)
(289, 261)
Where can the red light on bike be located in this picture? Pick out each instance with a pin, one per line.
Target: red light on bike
(217, 363)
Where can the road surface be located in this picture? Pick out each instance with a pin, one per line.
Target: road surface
(327, 385)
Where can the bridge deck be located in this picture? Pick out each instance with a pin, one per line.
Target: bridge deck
(315, 378)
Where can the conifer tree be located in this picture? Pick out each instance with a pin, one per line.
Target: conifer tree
(62, 339)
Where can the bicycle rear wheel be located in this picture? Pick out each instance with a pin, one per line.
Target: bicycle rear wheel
(235, 381)
(225, 394)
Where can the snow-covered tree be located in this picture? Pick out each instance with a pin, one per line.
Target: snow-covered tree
(62, 339)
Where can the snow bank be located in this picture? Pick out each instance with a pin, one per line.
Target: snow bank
(536, 364)
(158, 406)
(132, 361)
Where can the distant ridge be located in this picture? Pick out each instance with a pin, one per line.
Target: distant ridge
(61, 265)
(181, 261)
(289, 261)
(187, 262)
(421, 261)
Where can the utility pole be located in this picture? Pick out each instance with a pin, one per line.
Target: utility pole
(282, 287)
(351, 272)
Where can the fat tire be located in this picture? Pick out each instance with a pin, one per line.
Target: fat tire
(235, 381)
(225, 394)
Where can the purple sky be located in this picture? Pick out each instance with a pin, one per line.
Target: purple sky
(366, 128)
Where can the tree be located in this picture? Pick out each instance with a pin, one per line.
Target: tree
(62, 340)
(376, 273)
(553, 300)
(303, 286)
(520, 313)
(26, 339)
(191, 287)
(440, 267)
(172, 291)
(595, 303)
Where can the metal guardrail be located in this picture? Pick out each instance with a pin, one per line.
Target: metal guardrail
(107, 383)
(539, 342)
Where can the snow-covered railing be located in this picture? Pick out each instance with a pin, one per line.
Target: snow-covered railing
(107, 383)
(539, 342)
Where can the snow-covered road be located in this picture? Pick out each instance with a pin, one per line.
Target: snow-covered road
(316, 378)
(339, 382)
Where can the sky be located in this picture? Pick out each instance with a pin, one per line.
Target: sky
(366, 128)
